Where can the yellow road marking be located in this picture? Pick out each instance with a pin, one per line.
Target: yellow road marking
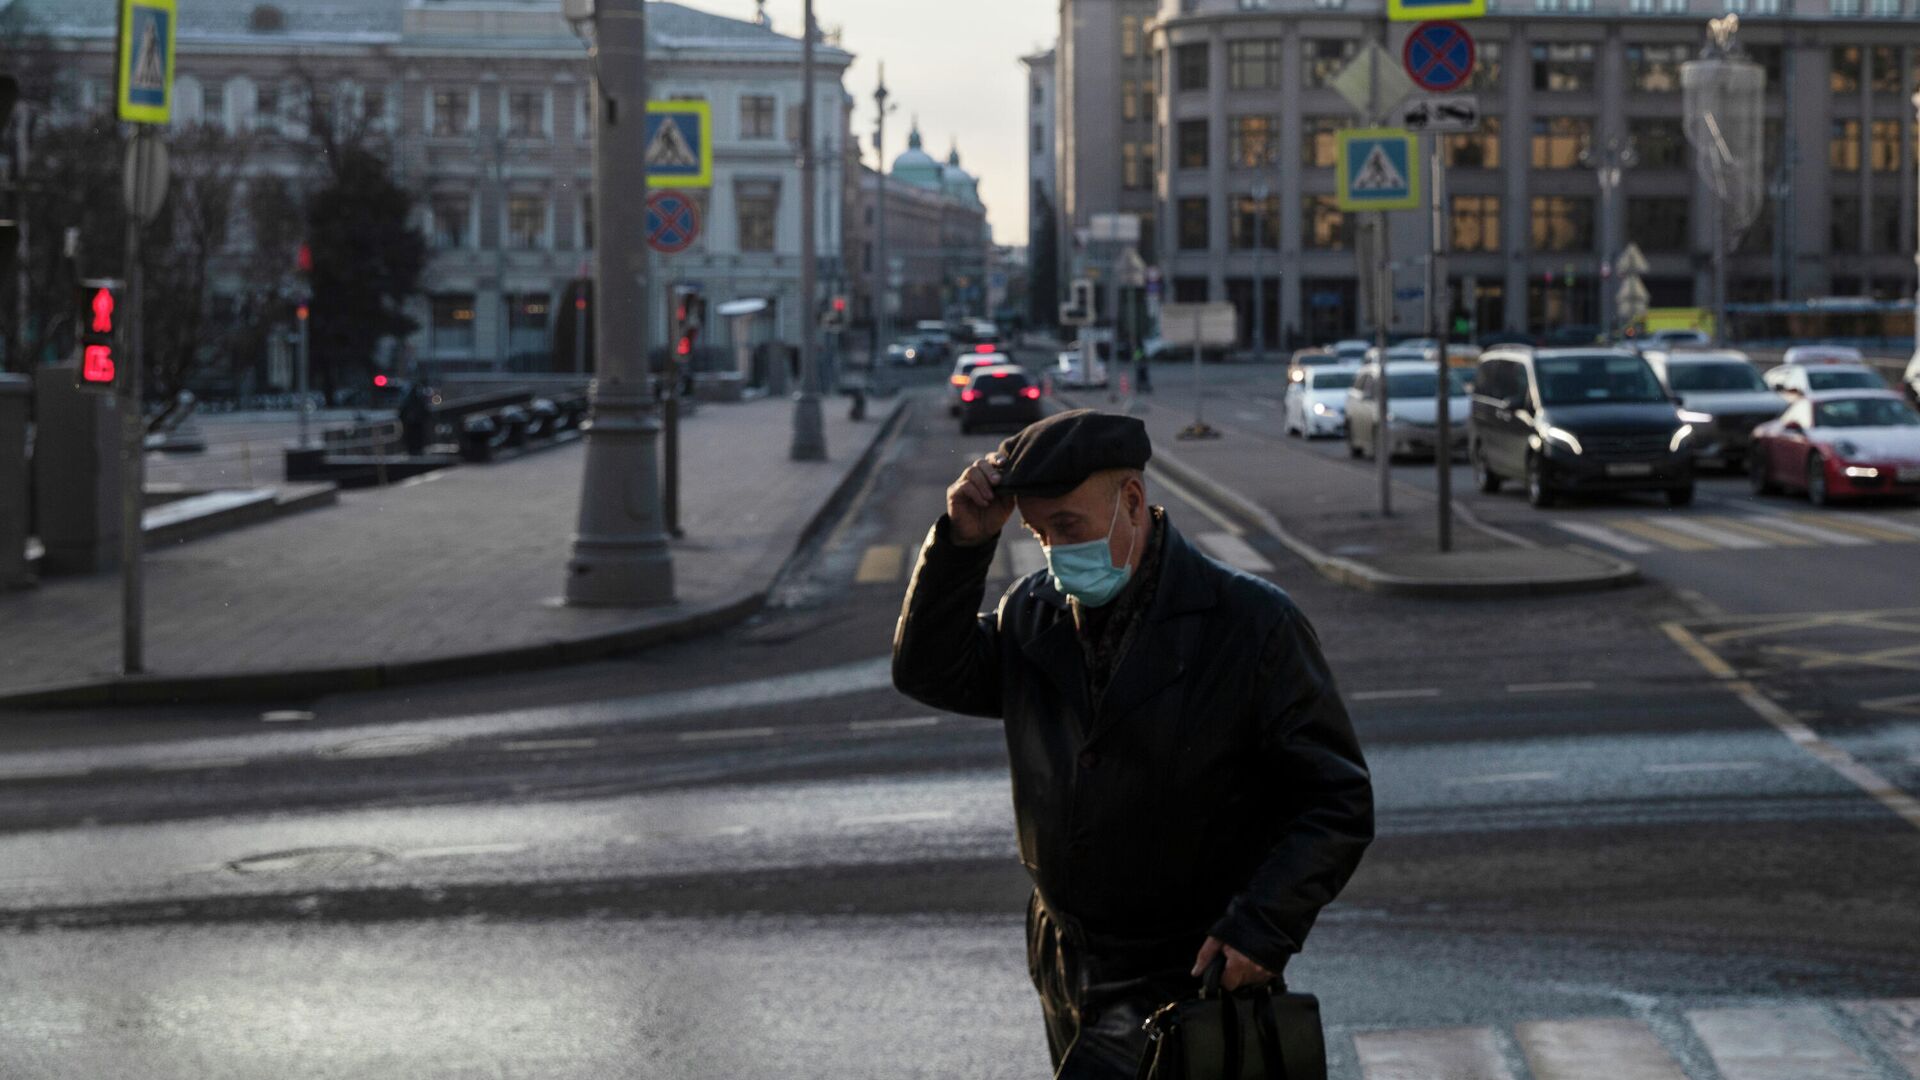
(1702, 655)
(1760, 532)
(1677, 541)
(881, 564)
(1858, 528)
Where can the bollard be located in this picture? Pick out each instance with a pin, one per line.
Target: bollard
(859, 411)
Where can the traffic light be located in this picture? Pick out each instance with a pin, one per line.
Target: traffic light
(96, 305)
(833, 313)
(689, 313)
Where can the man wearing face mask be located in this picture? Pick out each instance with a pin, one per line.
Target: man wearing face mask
(1186, 783)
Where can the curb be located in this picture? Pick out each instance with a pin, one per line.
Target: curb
(1358, 575)
(300, 683)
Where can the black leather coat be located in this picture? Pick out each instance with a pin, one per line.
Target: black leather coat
(1221, 790)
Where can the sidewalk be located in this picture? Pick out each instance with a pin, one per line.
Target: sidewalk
(454, 572)
(1327, 512)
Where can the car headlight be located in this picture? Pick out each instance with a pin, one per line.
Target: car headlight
(1320, 409)
(1847, 448)
(911, 354)
(1564, 438)
(1680, 438)
(1689, 416)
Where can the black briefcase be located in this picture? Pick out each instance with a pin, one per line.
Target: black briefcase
(1257, 1033)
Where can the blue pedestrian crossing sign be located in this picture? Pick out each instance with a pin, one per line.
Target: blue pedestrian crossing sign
(144, 73)
(679, 144)
(1377, 169)
(1418, 10)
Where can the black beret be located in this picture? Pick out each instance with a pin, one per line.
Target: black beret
(1051, 457)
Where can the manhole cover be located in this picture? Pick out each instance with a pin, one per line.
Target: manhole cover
(320, 860)
(389, 746)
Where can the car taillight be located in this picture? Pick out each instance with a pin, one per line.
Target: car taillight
(1001, 374)
(983, 348)
(1031, 392)
(958, 380)
(969, 395)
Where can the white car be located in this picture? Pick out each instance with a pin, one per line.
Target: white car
(1723, 396)
(1810, 374)
(1074, 370)
(1912, 378)
(1822, 354)
(1353, 349)
(1316, 404)
(1412, 409)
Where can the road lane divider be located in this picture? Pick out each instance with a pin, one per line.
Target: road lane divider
(1393, 695)
(911, 817)
(1705, 766)
(1548, 687)
(524, 746)
(1542, 777)
(893, 725)
(727, 734)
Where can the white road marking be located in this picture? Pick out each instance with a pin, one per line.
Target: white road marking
(909, 818)
(1233, 551)
(1205, 508)
(286, 716)
(1249, 417)
(1726, 538)
(726, 733)
(1431, 1054)
(1503, 778)
(1706, 766)
(1894, 1024)
(45, 774)
(732, 830)
(1895, 524)
(1600, 534)
(423, 478)
(1547, 687)
(530, 745)
(460, 851)
(1390, 695)
(1794, 1043)
(893, 725)
(1811, 532)
(191, 764)
(1600, 1049)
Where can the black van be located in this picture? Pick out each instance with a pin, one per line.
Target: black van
(1577, 420)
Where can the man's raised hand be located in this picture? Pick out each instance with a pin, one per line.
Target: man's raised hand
(975, 511)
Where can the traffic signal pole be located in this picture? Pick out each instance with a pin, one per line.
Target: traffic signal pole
(809, 426)
(133, 435)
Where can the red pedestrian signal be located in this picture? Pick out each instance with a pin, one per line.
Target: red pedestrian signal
(380, 381)
(95, 307)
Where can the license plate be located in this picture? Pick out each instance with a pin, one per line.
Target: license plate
(1630, 468)
(1909, 474)
(1000, 399)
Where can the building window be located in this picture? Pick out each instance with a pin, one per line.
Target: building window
(1886, 61)
(1673, 7)
(1843, 73)
(1770, 59)
(1658, 224)
(1558, 141)
(1883, 146)
(1660, 144)
(1193, 224)
(1039, 95)
(1546, 5)
(1255, 223)
(450, 112)
(1844, 7)
(1884, 9)
(1883, 226)
(1843, 146)
(1190, 66)
(1478, 149)
(266, 106)
(1129, 36)
(452, 222)
(1565, 67)
(1039, 139)
(1655, 69)
(1325, 227)
(526, 222)
(1319, 145)
(373, 106)
(526, 113)
(586, 223)
(1129, 100)
(1329, 5)
(1843, 225)
(453, 323)
(1486, 66)
(1132, 177)
(213, 103)
(1562, 223)
(756, 117)
(1322, 59)
(1253, 65)
(1193, 144)
(1475, 223)
(757, 205)
(1254, 141)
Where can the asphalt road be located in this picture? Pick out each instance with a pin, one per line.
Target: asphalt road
(749, 857)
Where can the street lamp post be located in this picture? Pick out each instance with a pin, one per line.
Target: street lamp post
(620, 555)
(881, 277)
(1916, 255)
(809, 427)
(1609, 164)
(1260, 191)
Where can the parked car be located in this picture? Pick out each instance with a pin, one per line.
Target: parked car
(963, 369)
(1822, 353)
(1316, 404)
(1354, 349)
(1304, 360)
(1077, 369)
(1673, 337)
(1840, 444)
(1827, 369)
(998, 394)
(1412, 408)
(1721, 393)
(1577, 420)
(915, 351)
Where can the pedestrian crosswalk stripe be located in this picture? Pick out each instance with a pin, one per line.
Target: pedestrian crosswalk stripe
(1233, 551)
(1712, 534)
(1471, 1053)
(1899, 525)
(1813, 532)
(880, 565)
(1764, 530)
(1873, 531)
(1677, 541)
(1604, 1049)
(1895, 1025)
(1778, 1044)
(1602, 534)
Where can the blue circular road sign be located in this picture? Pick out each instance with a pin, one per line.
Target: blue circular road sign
(1439, 55)
(673, 221)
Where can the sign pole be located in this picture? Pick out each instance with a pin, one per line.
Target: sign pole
(1437, 327)
(133, 436)
(1383, 297)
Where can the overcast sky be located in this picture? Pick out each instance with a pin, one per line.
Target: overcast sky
(955, 64)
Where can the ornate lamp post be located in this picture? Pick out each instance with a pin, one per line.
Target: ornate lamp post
(1609, 163)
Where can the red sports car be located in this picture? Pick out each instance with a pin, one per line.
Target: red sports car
(1840, 444)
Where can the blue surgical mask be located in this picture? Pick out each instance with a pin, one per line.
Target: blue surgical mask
(1086, 571)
